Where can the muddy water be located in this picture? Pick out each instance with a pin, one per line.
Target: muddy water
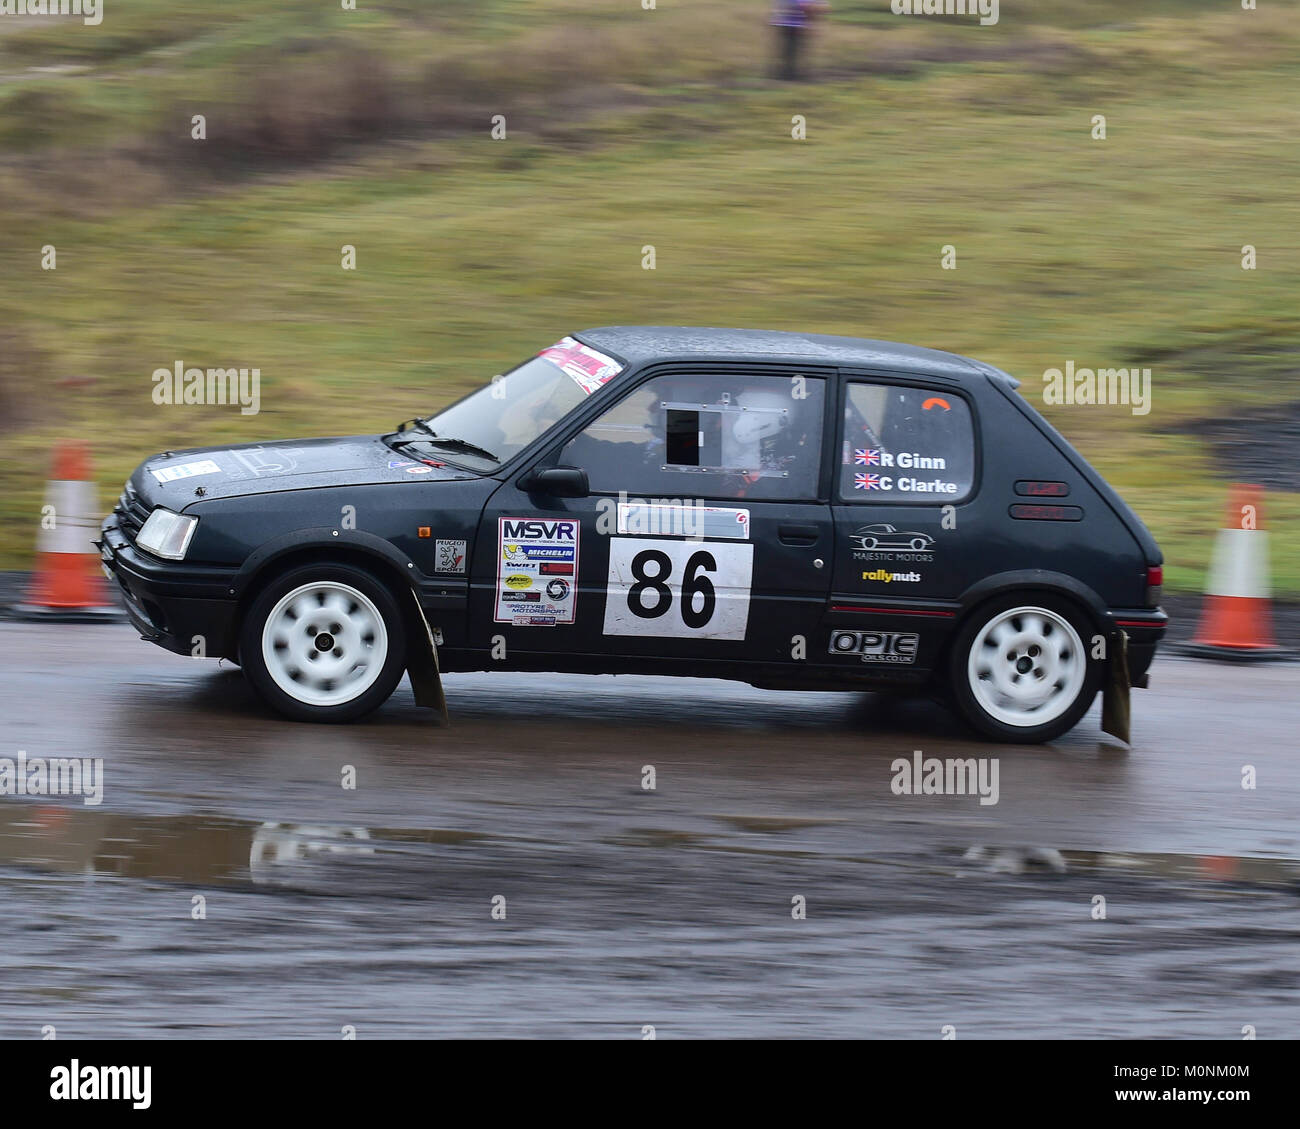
(323, 906)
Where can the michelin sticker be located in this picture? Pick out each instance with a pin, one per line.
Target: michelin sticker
(678, 589)
(186, 470)
(537, 571)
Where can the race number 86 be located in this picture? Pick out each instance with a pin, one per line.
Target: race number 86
(678, 589)
(694, 585)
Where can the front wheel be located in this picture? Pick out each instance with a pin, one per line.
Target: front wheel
(324, 643)
(1020, 669)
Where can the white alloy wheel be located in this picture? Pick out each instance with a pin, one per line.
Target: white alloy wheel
(1026, 666)
(324, 643)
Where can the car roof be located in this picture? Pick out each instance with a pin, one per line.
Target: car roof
(639, 344)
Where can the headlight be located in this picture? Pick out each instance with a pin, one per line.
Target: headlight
(166, 534)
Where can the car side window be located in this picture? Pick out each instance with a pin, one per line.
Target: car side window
(905, 444)
(709, 436)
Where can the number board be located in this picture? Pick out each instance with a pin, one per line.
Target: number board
(678, 589)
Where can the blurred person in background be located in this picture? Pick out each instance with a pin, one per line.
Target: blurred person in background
(793, 21)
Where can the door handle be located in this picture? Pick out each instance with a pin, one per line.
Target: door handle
(790, 533)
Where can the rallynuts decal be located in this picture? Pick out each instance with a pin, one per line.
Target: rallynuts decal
(537, 571)
(884, 576)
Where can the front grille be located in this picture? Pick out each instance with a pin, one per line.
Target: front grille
(131, 513)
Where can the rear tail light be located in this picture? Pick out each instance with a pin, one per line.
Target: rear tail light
(1155, 578)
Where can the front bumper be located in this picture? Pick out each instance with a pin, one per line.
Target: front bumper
(189, 609)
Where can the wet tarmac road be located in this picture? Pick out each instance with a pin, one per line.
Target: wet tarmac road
(373, 906)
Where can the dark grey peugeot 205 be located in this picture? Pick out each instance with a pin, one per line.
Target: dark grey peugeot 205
(793, 511)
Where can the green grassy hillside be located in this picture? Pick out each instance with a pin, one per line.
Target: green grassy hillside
(626, 128)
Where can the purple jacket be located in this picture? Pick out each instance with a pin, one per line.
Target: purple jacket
(793, 13)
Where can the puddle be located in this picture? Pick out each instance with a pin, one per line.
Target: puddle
(1238, 870)
(201, 849)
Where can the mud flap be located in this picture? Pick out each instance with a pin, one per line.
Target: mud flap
(1115, 708)
(422, 667)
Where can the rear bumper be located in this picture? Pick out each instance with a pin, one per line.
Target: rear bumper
(1145, 627)
(183, 608)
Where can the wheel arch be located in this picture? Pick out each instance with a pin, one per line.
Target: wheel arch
(361, 550)
(312, 546)
(1028, 582)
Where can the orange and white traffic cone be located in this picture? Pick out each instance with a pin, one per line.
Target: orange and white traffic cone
(67, 584)
(1235, 620)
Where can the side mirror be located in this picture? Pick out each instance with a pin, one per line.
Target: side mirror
(557, 481)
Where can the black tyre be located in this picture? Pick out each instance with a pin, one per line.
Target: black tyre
(324, 642)
(1021, 668)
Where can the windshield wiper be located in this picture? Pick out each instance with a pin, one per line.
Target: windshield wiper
(434, 439)
(416, 424)
(460, 445)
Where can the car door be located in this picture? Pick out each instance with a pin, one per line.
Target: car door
(906, 477)
(706, 535)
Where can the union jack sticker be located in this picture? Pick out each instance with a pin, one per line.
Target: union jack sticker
(866, 482)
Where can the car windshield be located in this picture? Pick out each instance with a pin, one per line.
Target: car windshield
(508, 414)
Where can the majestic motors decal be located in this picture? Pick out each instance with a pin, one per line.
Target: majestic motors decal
(882, 542)
(533, 557)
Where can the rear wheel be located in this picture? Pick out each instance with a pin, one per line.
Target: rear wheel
(324, 643)
(1020, 669)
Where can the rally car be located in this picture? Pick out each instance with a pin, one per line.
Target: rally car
(793, 511)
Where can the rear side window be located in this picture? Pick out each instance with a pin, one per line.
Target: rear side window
(902, 444)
